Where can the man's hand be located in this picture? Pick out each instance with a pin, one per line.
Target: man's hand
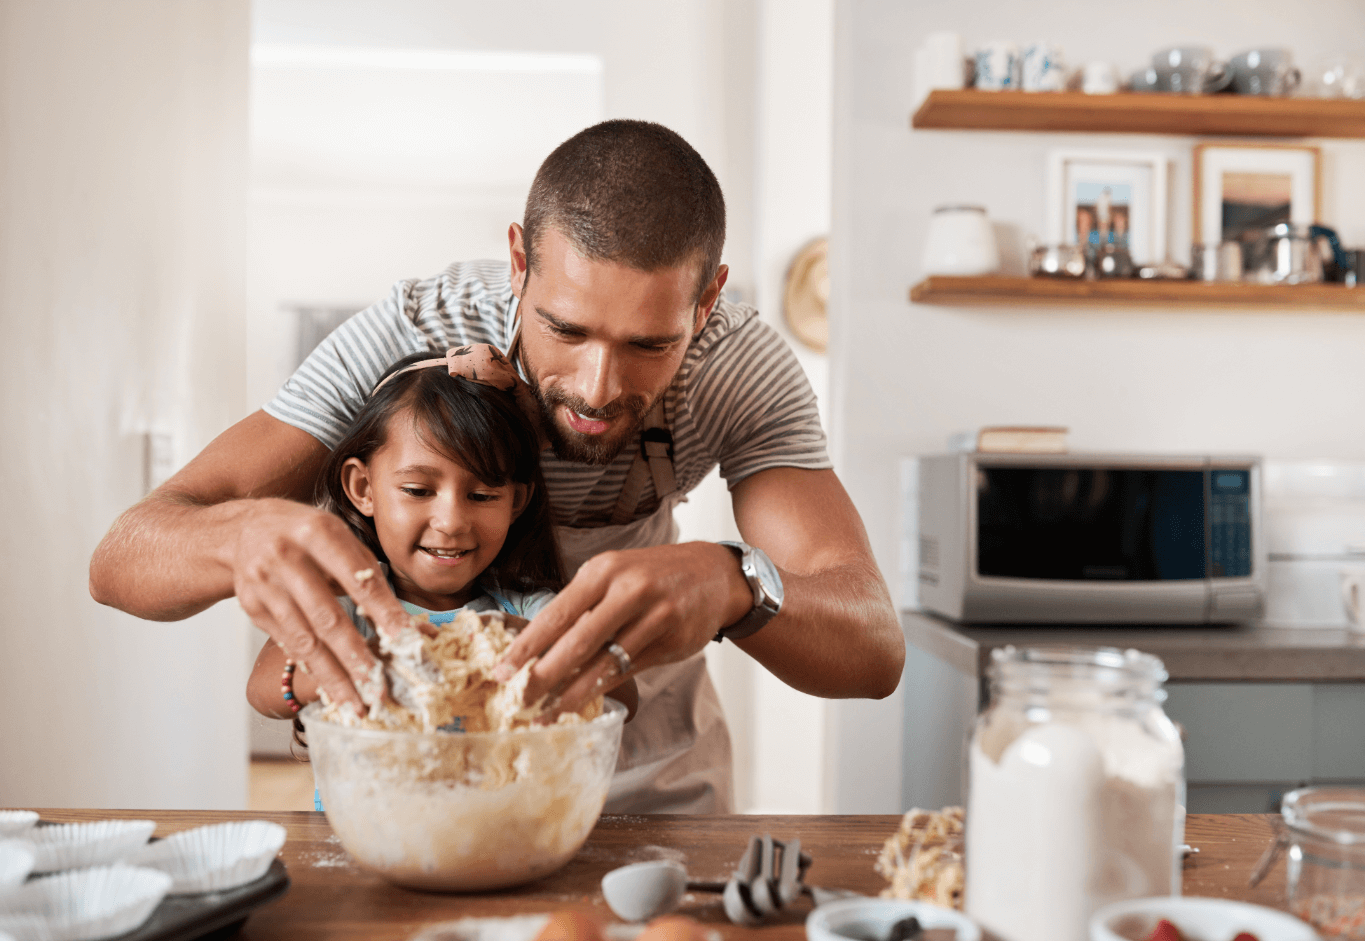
(233, 521)
(661, 605)
(289, 564)
(837, 634)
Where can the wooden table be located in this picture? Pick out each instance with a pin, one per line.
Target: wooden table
(331, 897)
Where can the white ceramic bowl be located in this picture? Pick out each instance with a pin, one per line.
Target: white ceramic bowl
(1199, 919)
(464, 812)
(16, 822)
(213, 858)
(82, 905)
(866, 919)
(74, 845)
(16, 862)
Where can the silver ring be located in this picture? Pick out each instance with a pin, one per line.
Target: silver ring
(622, 658)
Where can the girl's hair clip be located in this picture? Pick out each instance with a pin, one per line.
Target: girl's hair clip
(479, 362)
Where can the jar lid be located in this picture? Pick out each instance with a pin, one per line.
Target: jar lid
(1335, 814)
(960, 208)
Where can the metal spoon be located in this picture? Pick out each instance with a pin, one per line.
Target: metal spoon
(644, 891)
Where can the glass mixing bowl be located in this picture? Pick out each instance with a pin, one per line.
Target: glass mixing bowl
(464, 812)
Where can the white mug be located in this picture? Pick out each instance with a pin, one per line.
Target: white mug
(1099, 78)
(1043, 68)
(997, 66)
(1353, 596)
(944, 60)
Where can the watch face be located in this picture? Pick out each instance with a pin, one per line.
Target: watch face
(767, 575)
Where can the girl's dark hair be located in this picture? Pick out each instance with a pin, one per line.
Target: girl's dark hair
(474, 424)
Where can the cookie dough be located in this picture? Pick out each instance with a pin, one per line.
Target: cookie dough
(442, 678)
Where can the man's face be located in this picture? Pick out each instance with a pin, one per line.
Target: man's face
(600, 341)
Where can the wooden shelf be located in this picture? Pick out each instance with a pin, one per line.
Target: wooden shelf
(992, 291)
(1142, 113)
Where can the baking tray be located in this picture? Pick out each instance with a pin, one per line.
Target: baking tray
(211, 914)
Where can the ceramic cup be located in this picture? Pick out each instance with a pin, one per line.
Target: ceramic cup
(1043, 68)
(1145, 80)
(1340, 77)
(944, 61)
(997, 66)
(1217, 261)
(1099, 78)
(1190, 70)
(1264, 72)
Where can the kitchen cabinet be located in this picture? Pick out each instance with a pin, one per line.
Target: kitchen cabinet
(1138, 113)
(1263, 709)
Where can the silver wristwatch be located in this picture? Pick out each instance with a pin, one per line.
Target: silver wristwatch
(762, 577)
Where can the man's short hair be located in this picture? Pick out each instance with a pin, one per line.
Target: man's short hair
(631, 192)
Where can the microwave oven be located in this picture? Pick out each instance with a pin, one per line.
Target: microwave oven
(1090, 538)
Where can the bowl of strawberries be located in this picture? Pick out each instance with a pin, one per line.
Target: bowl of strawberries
(1193, 918)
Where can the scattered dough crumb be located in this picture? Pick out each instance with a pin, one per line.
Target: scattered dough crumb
(364, 575)
(923, 859)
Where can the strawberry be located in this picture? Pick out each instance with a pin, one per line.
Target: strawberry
(1165, 931)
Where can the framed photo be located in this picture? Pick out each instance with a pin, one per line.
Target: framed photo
(1117, 198)
(1240, 188)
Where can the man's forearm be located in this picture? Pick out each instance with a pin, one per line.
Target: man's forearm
(837, 635)
(164, 559)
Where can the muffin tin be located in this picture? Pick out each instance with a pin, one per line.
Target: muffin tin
(174, 889)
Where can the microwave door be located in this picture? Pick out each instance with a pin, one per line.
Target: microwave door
(1090, 544)
(1091, 524)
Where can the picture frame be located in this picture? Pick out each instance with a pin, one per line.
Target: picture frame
(1240, 187)
(1129, 186)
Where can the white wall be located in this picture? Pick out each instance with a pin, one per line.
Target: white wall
(123, 180)
(906, 376)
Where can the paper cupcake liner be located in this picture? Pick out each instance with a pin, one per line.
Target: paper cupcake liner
(213, 858)
(16, 822)
(16, 862)
(85, 905)
(76, 845)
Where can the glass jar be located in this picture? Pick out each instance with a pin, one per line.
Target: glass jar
(1325, 872)
(1076, 794)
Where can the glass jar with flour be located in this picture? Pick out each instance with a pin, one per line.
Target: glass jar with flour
(1076, 795)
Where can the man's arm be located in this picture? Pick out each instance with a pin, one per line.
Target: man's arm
(231, 523)
(836, 636)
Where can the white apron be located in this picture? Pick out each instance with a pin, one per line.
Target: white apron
(675, 752)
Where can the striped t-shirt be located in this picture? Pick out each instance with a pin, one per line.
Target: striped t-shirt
(740, 398)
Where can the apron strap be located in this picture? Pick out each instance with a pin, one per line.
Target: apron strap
(655, 459)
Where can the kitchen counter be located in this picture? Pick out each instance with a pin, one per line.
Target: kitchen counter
(1263, 709)
(332, 898)
(1260, 653)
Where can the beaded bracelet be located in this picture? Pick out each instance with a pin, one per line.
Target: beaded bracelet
(287, 685)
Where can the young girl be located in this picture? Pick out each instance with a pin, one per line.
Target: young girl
(440, 477)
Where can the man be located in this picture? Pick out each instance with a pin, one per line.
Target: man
(644, 380)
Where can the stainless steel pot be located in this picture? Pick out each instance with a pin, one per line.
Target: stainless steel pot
(1057, 261)
(1297, 254)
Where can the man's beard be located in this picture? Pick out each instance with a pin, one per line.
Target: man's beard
(568, 444)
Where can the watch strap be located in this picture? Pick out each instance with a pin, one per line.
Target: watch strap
(760, 614)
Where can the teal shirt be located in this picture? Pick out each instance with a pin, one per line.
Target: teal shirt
(492, 599)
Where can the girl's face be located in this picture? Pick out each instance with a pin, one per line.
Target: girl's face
(439, 525)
